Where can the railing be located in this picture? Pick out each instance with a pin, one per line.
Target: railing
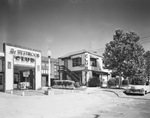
(70, 73)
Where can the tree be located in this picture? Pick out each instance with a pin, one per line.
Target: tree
(147, 64)
(124, 55)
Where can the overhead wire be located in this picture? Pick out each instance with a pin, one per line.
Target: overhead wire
(143, 41)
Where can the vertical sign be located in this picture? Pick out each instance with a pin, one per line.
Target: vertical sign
(9, 65)
(86, 61)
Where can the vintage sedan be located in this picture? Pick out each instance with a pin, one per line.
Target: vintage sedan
(138, 89)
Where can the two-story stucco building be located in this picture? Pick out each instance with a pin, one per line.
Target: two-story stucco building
(82, 65)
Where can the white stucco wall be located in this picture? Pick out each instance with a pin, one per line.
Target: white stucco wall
(83, 78)
(10, 61)
(89, 75)
(8, 69)
(38, 73)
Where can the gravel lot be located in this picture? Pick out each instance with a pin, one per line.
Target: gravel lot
(92, 103)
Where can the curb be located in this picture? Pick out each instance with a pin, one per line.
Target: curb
(112, 92)
(129, 97)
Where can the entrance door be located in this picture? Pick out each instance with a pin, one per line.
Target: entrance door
(66, 63)
(24, 77)
(16, 80)
(44, 81)
(1, 82)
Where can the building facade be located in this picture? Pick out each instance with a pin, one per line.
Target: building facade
(24, 65)
(81, 66)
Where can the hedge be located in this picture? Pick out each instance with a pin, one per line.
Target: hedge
(111, 82)
(64, 84)
(94, 82)
(125, 82)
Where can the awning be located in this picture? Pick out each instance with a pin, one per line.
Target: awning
(101, 72)
(92, 56)
(76, 56)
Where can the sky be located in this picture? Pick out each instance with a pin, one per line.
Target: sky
(66, 26)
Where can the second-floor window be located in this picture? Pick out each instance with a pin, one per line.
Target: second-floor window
(93, 62)
(43, 65)
(76, 62)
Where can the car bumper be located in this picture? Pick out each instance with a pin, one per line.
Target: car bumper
(135, 92)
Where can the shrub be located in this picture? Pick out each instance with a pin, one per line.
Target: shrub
(77, 84)
(64, 84)
(53, 81)
(94, 82)
(111, 82)
(125, 82)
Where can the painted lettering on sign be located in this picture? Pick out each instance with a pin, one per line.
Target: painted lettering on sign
(24, 59)
(86, 61)
(23, 53)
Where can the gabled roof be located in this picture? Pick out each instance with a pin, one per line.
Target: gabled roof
(79, 52)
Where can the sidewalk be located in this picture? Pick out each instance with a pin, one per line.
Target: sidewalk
(90, 90)
(41, 92)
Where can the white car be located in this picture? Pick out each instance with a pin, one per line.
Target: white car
(138, 89)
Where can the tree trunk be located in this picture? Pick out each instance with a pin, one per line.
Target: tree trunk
(119, 81)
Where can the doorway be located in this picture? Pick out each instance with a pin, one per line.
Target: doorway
(44, 80)
(66, 63)
(24, 78)
(1, 82)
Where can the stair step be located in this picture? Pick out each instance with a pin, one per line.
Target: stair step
(72, 75)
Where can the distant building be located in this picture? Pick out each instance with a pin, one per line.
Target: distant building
(24, 65)
(44, 72)
(82, 65)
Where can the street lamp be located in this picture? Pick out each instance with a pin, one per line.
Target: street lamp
(49, 53)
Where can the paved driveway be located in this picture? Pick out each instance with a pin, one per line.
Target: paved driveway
(92, 103)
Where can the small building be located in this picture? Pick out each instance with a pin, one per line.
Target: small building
(82, 65)
(45, 68)
(24, 65)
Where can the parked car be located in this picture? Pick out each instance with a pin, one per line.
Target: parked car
(138, 89)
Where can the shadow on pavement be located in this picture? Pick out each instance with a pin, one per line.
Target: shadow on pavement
(96, 116)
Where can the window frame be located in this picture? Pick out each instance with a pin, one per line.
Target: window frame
(93, 62)
(76, 61)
